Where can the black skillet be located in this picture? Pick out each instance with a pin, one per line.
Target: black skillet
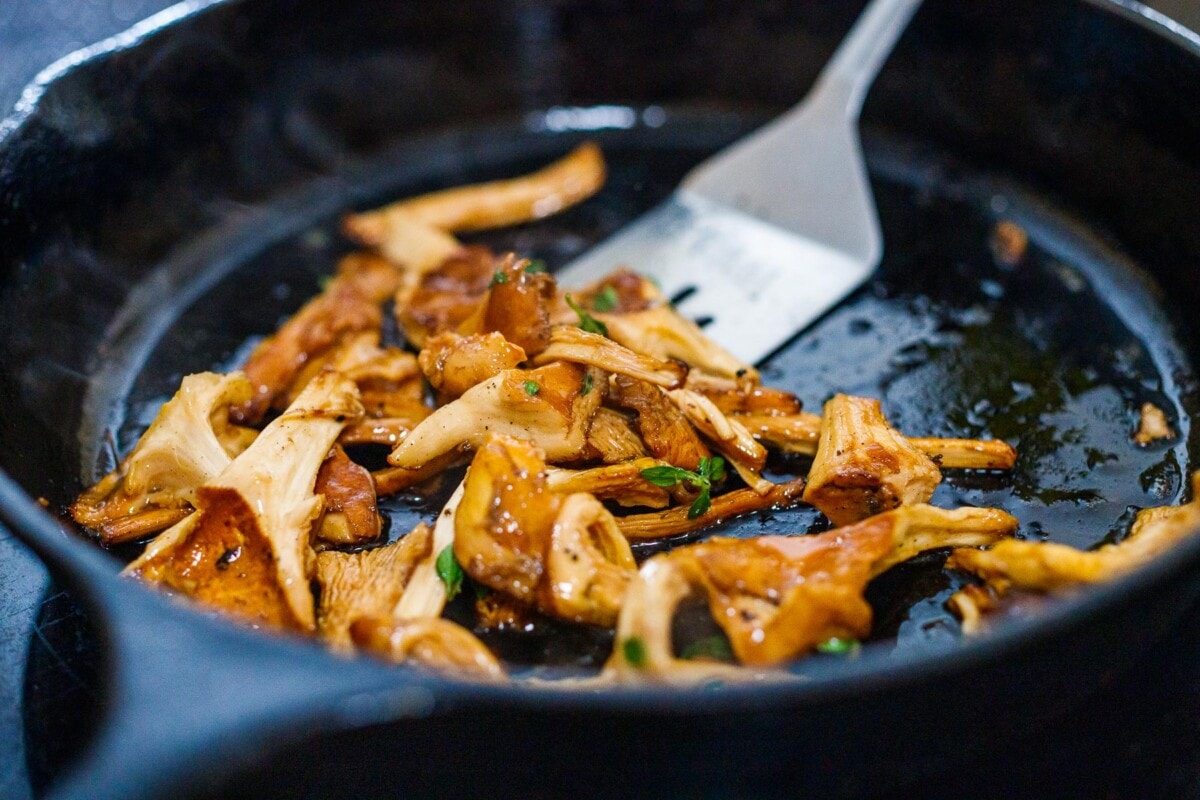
(175, 195)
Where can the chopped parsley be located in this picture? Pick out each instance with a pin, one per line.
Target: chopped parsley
(606, 299)
(587, 383)
(535, 266)
(634, 650)
(532, 388)
(714, 648)
(498, 278)
(836, 646)
(450, 572)
(586, 321)
(708, 471)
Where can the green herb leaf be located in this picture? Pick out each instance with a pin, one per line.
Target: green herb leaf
(497, 278)
(634, 650)
(606, 299)
(587, 383)
(701, 504)
(450, 572)
(586, 321)
(324, 281)
(715, 648)
(712, 468)
(532, 388)
(535, 266)
(665, 475)
(839, 647)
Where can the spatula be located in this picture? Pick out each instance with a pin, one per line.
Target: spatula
(765, 236)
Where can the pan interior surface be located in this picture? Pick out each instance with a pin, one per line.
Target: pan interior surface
(1054, 353)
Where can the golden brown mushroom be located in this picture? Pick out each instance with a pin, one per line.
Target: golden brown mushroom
(454, 363)
(778, 597)
(863, 466)
(190, 442)
(246, 549)
(516, 535)
(432, 643)
(661, 333)
(570, 343)
(349, 515)
(547, 405)
(664, 428)
(1041, 567)
(368, 583)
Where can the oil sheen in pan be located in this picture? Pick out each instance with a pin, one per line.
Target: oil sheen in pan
(1055, 354)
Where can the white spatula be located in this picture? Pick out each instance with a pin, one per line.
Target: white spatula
(771, 232)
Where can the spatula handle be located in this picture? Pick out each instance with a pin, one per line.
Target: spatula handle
(860, 56)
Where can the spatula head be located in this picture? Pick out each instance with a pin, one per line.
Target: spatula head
(749, 284)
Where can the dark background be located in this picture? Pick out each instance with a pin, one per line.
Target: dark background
(1159, 743)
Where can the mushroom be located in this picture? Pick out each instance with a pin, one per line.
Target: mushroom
(548, 405)
(613, 438)
(863, 466)
(570, 343)
(661, 333)
(454, 363)
(515, 535)
(368, 583)
(432, 643)
(246, 549)
(516, 304)
(743, 396)
(728, 435)
(349, 304)
(443, 298)
(349, 515)
(801, 433)
(558, 186)
(778, 597)
(681, 519)
(190, 442)
(664, 428)
(1050, 567)
(621, 483)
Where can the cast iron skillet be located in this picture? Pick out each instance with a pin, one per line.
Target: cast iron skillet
(176, 192)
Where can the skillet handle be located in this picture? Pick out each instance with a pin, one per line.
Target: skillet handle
(190, 700)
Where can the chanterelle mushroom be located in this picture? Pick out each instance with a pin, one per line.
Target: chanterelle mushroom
(365, 584)
(863, 466)
(454, 363)
(1049, 567)
(190, 442)
(552, 406)
(246, 549)
(778, 597)
(514, 534)
(436, 644)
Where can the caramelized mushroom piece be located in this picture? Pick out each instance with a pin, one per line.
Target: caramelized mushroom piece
(349, 304)
(454, 363)
(558, 186)
(663, 427)
(547, 405)
(432, 643)
(729, 437)
(863, 466)
(517, 305)
(622, 291)
(621, 483)
(1050, 567)
(190, 442)
(613, 438)
(246, 549)
(1152, 425)
(368, 583)
(676, 521)
(515, 535)
(426, 594)
(349, 515)
(800, 433)
(741, 396)
(661, 333)
(445, 297)
(778, 597)
(569, 343)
